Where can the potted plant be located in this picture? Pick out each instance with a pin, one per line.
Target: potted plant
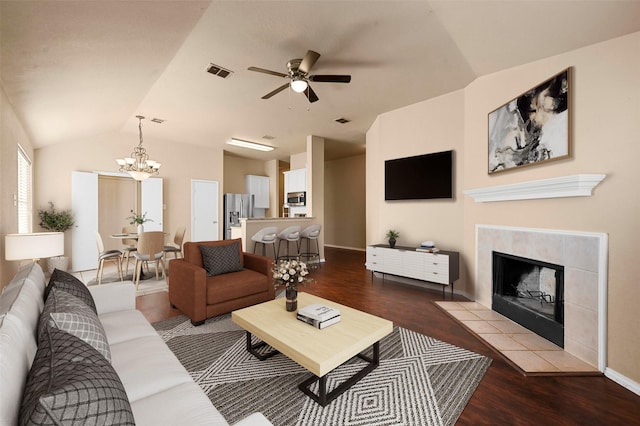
(392, 235)
(56, 221)
(139, 220)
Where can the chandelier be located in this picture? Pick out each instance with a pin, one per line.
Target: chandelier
(138, 165)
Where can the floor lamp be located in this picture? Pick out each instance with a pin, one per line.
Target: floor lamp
(34, 246)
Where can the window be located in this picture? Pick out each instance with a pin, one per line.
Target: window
(24, 201)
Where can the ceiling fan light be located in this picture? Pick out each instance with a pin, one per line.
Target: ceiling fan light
(299, 86)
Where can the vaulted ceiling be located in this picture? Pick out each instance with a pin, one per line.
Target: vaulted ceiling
(74, 69)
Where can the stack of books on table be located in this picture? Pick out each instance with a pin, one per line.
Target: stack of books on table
(319, 316)
(428, 247)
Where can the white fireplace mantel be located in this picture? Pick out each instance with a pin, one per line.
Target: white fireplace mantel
(565, 186)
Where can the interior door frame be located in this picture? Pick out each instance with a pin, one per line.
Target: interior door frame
(194, 217)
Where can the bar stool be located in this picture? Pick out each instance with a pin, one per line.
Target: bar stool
(310, 233)
(290, 234)
(266, 236)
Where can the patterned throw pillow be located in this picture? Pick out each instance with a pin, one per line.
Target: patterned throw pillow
(66, 312)
(71, 383)
(221, 259)
(67, 282)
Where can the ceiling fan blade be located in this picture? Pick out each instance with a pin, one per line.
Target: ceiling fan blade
(264, 71)
(275, 92)
(311, 95)
(308, 61)
(330, 78)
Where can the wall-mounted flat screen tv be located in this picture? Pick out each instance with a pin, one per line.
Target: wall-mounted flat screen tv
(421, 177)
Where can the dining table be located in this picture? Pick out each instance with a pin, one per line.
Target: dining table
(133, 236)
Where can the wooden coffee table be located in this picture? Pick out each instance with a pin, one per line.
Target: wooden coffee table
(319, 351)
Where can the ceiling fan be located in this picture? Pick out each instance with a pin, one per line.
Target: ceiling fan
(298, 72)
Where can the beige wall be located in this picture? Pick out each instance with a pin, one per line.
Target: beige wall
(236, 169)
(180, 164)
(605, 115)
(298, 161)
(431, 126)
(345, 202)
(11, 134)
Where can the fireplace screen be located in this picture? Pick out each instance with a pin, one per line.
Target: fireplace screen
(530, 292)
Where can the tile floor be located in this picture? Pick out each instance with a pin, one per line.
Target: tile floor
(530, 353)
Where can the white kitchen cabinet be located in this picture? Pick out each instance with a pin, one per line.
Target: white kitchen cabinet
(258, 186)
(440, 268)
(295, 180)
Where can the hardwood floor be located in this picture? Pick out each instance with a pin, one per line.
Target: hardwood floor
(504, 396)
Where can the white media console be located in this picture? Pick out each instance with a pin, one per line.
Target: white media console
(441, 268)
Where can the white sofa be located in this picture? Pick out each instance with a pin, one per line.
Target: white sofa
(159, 389)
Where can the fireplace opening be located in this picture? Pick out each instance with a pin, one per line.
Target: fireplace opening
(530, 292)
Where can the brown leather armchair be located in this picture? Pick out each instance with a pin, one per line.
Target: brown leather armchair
(200, 296)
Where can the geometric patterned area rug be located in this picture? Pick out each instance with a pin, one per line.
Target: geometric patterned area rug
(420, 380)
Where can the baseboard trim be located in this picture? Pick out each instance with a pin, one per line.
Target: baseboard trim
(345, 248)
(622, 380)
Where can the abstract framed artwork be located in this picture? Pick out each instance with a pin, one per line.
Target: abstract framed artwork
(533, 128)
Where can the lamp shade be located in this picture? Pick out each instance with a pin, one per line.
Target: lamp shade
(37, 245)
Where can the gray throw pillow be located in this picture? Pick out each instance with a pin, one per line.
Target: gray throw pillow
(221, 259)
(66, 312)
(67, 282)
(70, 383)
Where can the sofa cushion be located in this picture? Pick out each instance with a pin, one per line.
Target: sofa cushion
(147, 366)
(194, 407)
(219, 260)
(193, 255)
(67, 282)
(66, 312)
(126, 325)
(21, 303)
(72, 383)
(235, 285)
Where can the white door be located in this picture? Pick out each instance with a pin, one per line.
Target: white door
(152, 203)
(204, 210)
(84, 205)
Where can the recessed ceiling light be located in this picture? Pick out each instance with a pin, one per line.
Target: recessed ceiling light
(250, 145)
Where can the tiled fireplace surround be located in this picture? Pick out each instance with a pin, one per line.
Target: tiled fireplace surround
(584, 257)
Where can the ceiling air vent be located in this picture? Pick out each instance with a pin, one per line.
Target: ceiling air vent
(341, 120)
(158, 120)
(268, 137)
(219, 71)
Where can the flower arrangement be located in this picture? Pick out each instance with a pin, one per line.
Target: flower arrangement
(291, 274)
(137, 219)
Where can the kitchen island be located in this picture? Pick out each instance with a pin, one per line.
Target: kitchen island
(249, 226)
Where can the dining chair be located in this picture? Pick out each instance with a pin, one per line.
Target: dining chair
(150, 249)
(114, 256)
(178, 238)
(129, 245)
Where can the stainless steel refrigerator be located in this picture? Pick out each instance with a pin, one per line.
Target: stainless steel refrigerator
(236, 206)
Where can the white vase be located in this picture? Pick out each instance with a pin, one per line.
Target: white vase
(140, 228)
(57, 262)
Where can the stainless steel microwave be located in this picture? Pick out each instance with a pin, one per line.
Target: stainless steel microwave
(297, 198)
